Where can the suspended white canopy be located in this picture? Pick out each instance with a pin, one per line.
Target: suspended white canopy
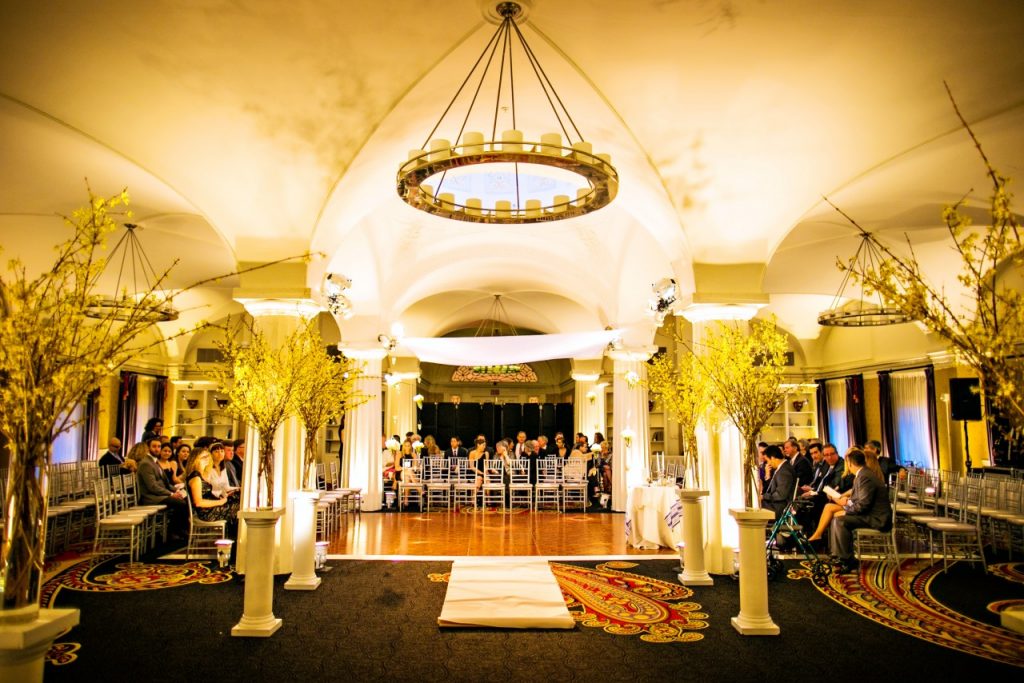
(509, 349)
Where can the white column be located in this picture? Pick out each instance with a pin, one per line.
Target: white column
(629, 460)
(361, 460)
(24, 644)
(400, 403)
(694, 573)
(303, 576)
(589, 406)
(753, 619)
(258, 620)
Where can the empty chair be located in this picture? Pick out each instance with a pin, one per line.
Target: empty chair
(960, 538)
(519, 487)
(116, 532)
(437, 482)
(494, 483)
(549, 481)
(464, 483)
(574, 484)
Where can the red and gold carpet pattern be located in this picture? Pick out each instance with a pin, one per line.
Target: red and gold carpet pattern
(626, 604)
(903, 601)
(84, 576)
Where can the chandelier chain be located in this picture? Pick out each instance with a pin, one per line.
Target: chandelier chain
(538, 68)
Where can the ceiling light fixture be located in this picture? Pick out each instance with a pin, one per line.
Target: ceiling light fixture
(334, 288)
(665, 294)
(125, 303)
(528, 182)
(862, 311)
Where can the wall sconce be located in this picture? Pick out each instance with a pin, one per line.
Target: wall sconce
(591, 396)
(627, 436)
(632, 378)
(419, 400)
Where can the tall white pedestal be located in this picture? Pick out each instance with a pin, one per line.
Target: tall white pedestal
(23, 645)
(753, 619)
(303, 576)
(694, 573)
(258, 619)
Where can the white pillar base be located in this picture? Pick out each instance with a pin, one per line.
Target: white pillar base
(303, 576)
(258, 620)
(23, 645)
(694, 573)
(753, 619)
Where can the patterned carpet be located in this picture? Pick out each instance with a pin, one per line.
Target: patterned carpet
(903, 600)
(376, 620)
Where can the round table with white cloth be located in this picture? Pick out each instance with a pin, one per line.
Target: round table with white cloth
(654, 517)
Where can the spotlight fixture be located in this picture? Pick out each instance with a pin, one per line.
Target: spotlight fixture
(334, 288)
(521, 181)
(665, 294)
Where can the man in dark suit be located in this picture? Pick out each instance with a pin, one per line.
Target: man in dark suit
(801, 463)
(868, 508)
(153, 489)
(113, 455)
(779, 492)
(829, 474)
(456, 450)
(542, 446)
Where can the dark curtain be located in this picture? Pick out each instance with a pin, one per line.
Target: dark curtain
(127, 406)
(888, 436)
(159, 397)
(823, 411)
(933, 422)
(91, 432)
(855, 415)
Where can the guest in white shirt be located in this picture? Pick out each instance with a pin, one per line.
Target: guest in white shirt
(218, 473)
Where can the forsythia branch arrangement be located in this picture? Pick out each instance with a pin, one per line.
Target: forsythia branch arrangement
(685, 391)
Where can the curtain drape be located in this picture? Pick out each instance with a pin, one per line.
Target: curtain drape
(159, 396)
(823, 426)
(888, 436)
(858, 423)
(933, 420)
(838, 417)
(509, 349)
(91, 430)
(127, 405)
(913, 438)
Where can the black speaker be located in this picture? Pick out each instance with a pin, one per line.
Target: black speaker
(964, 399)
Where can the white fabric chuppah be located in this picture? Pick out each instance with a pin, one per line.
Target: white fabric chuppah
(508, 349)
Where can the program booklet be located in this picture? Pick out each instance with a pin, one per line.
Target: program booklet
(831, 492)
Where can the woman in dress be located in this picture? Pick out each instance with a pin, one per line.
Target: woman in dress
(430, 447)
(181, 455)
(205, 504)
(219, 473)
(561, 449)
(477, 456)
(169, 467)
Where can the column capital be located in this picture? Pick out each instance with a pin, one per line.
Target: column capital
(634, 354)
(707, 312)
(361, 352)
(586, 376)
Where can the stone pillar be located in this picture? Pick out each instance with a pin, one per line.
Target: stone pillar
(629, 461)
(303, 507)
(23, 645)
(694, 573)
(258, 620)
(362, 466)
(276, 319)
(753, 619)
(400, 403)
(588, 402)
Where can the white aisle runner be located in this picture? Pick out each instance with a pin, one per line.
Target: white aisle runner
(504, 593)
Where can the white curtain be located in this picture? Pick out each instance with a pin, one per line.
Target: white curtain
(838, 420)
(68, 446)
(909, 391)
(509, 349)
(144, 401)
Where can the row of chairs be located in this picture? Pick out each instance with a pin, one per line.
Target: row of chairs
(335, 501)
(452, 483)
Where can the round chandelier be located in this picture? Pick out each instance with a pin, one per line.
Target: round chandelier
(862, 312)
(137, 285)
(550, 177)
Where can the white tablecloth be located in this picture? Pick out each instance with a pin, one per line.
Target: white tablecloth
(654, 517)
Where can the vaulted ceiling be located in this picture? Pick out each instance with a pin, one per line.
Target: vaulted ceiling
(246, 130)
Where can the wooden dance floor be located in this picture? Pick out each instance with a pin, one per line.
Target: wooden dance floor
(485, 533)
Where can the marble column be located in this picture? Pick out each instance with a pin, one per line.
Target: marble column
(694, 573)
(753, 619)
(629, 396)
(400, 403)
(589, 404)
(362, 465)
(276, 319)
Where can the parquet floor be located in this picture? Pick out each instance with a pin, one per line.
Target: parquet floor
(441, 533)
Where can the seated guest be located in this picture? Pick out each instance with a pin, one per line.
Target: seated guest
(153, 489)
(836, 505)
(175, 441)
(206, 504)
(520, 445)
(113, 456)
(764, 469)
(490, 450)
(404, 453)
(219, 478)
(154, 426)
(542, 446)
(887, 465)
(430, 448)
(561, 449)
(138, 453)
(832, 476)
(779, 492)
(868, 507)
(800, 462)
(238, 461)
(476, 460)
(181, 455)
(455, 449)
(169, 467)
